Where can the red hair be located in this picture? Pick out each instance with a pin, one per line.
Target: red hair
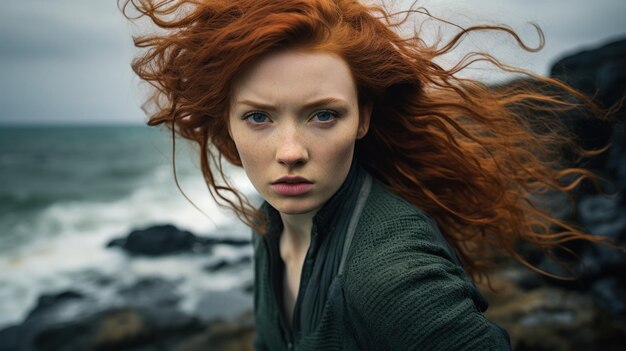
(469, 155)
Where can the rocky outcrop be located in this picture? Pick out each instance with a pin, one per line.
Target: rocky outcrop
(145, 316)
(552, 319)
(167, 239)
(588, 313)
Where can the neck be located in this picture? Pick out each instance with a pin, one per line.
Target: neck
(296, 235)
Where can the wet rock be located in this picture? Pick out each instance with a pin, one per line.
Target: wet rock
(143, 313)
(600, 73)
(143, 316)
(150, 292)
(224, 264)
(235, 335)
(121, 329)
(51, 310)
(167, 239)
(553, 319)
(604, 216)
(156, 240)
(222, 305)
(48, 302)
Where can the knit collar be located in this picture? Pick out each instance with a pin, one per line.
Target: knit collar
(326, 218)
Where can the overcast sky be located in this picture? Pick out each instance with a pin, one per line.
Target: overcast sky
(67, 61)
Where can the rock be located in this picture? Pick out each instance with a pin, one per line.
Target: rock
(48, 302)
(234, 335)
(222, 264)
(223, 305)
(167, 239)
(553, 319)
(151, 292)
(224, 241)
(156, 240)
(145, 313)
(616, 163)
(599, 72)
(121, 329)
(51, 310)
(604, 216)
(11, 339)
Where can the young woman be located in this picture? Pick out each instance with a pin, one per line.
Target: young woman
(386, 179)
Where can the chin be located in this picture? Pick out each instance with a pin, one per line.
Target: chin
(296, 209)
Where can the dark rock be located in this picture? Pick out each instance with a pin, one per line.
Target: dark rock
(611, 294)
(224, 305)
(117, 242)
(167, 239)
(150, 292)
(599, 72)
(10, 338)
(616, 163)
(224, 241)
(553, 319)
(51, 310)
(145, 316)
(222, 264)
(121, 329)
(48, 302)
(604, 216)
(156, 240)
(234, 335)
(248, 288)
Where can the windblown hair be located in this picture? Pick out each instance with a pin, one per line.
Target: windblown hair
(471, 156)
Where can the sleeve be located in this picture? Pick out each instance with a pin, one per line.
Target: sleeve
(406, 292)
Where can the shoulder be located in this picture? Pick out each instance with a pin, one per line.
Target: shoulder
(396, 241)
(390, 222)
(404, 286)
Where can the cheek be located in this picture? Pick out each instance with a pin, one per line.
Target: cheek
(252, 156)
(338, 152)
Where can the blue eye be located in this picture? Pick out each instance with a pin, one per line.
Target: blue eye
(325, 116)
(255, 117)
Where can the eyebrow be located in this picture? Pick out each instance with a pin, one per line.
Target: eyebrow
(313, 104)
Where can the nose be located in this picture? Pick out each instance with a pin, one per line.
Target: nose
(292, 150)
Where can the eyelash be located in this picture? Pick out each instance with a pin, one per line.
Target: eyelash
(334, 115)
(248, 116)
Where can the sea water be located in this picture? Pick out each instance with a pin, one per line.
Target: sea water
(65, 192)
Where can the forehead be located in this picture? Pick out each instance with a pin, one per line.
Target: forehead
(296, 75)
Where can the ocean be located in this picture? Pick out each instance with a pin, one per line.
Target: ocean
(65, 192)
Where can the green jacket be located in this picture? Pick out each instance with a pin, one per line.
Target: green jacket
(378, 275)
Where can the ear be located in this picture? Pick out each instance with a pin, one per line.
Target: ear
(365, 115)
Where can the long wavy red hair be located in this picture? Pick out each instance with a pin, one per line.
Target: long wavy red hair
(471, 156)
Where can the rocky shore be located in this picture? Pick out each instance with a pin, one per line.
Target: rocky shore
(540, 313)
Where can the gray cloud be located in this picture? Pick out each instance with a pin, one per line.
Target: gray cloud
(42, 29)
(68, 60)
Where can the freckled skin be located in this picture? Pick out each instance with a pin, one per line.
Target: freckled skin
(279, 133)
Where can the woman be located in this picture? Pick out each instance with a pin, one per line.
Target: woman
(386, 177)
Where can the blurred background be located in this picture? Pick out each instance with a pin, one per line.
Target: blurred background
(83, 183)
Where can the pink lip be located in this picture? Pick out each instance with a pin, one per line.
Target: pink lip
(291, 186)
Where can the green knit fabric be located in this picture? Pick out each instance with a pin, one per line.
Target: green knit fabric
(401, 290)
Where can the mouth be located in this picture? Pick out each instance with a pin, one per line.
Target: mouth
(292, 180)
(292, 186)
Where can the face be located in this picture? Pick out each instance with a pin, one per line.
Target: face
(295, 119)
